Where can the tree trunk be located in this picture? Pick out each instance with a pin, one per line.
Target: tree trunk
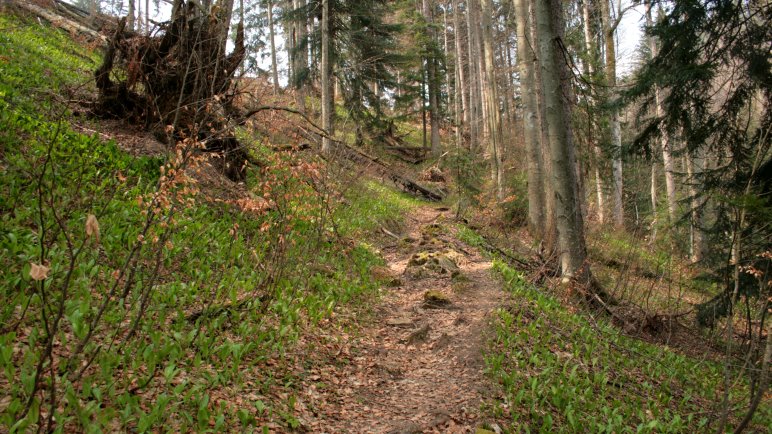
(525, 56)
(589, 70)
(289, 43)
(491, 98)
(300, 56)
(553, 71)
(327, 102)
(461, 86)
(432, 78)
(609, 29)
(694, 168)
(449, 77)
(550, 238)
(225, 15)
(507, 100)
(474, 77)
(130, 15)
(654, 202)
(274, 64)
(474, 7)
(667, 158)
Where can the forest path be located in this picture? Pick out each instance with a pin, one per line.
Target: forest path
(417, 367)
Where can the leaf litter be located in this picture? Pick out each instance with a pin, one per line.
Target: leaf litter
(408, 367)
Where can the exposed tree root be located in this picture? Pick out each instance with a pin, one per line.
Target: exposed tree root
(177, 82)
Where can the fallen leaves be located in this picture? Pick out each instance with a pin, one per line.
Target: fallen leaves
(92, 228)
(38, 272)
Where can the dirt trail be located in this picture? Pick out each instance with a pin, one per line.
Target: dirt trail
(418, 367)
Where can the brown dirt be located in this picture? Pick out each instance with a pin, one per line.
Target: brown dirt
(417, 367)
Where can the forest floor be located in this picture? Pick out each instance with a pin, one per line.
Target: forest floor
(417, 365)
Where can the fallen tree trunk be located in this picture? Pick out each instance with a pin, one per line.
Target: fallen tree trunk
(359, 157)
(354, 155)
(60, 21)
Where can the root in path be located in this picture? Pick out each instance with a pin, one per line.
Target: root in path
(418, 367)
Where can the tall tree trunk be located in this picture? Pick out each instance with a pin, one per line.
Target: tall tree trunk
(654, 201)
(474, 8)
(589, 70)
(609, 29)
(274, 64)
(694, 168)
(140, 23)
(461, 87)
(300, 55)
(554, 74)
(525, 63)
(550, 237)
(667, 158)
(507, 100)
(289, 41)
(433, 81)
(491, 98)
(327, 102)
(225, 15)
(474, 77)
(130, 15)
(450, 81)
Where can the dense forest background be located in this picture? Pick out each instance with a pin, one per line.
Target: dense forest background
(209, 205)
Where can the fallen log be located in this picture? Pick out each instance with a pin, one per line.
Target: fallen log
(360, 157)
(61, 21)
(355, 155)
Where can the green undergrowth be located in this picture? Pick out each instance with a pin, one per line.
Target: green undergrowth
(622, 249)
(372, 204)
(560, 371)
(36, 61)
(174, 312)
(647, 274)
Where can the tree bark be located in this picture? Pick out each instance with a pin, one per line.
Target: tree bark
(550, 238)
(274, 64)
(130, 15)
(432, 78)
(589, 66)
(694, 167)
(449, 76)
(553, 72)
(479, 59)
(667, 158)
(300, 55)
(525, 56)
(461, 85)
(327, 102)
(609, 29)
(491, 98)
(225, 15)
(474, 77)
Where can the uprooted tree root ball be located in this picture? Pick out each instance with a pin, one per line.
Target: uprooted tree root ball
(181, 77)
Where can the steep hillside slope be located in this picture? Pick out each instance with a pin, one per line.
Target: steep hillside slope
(139, 289)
